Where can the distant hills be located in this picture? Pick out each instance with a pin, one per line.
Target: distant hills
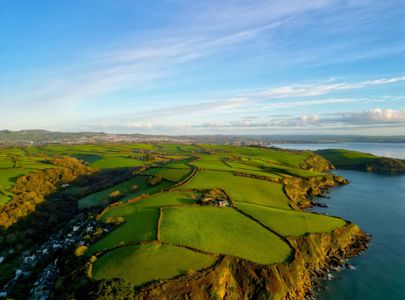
(39, 136)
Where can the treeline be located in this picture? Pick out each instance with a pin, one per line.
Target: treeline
(32, 189)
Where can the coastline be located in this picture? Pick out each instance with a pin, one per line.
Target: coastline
(315, 254)
(235, 278)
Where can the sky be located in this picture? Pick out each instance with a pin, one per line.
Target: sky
(203, 67)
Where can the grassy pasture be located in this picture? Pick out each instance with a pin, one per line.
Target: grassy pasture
(116, 162)
(222, 231)
(292, 159)
(7, 179)
(101, 198)
(290, 222)
(149, 262)
(176, 148)
(340, 157)
(241, 189)
(217, 163)
(179, 164)
(9, 174)
(140, 219)
(174, 175)
(282, 170)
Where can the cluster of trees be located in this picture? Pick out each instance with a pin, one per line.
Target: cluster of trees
(35, 205)
(212, 195)
(104, 179)
(234, 157)
(154, 179)
(32, 189)
(114, 220)
(116, 288)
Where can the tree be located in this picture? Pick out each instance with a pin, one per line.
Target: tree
(148, 156)
(113, 289)
(154, 179)
(134, 188)
(115, 195)
(80, 250)
(11, 238)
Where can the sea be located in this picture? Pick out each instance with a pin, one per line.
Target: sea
(377, 204)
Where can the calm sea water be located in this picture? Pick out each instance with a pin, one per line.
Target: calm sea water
(396, 150)
(377, 204)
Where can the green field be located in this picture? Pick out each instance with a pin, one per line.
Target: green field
(241, 189)
(222, 231)
(102, 197)
(290, 222)
(141, 219)
(13, 164)
(116, 162)
(174, 175)
(290, 159)
(340, 157)
(149, 262)
(220, 163)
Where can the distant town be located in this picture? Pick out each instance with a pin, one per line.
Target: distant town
(42, 137)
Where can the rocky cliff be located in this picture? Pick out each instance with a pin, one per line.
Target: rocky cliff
(235, 278)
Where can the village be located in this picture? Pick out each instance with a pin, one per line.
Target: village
(30, 262)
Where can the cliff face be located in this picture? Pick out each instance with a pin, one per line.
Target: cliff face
(300, 190)
(353, 160)
(235, 278)
(316, 162)
(385, 165)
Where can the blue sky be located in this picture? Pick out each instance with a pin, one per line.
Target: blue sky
(203, 67)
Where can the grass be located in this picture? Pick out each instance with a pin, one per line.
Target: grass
(116, 162)
(176, 148)
(291, 159)
(9, 174)
(340, 157)
(241, 189)
(290, 222)
(140, 219)
(101, 198)
(283, 170)
(219, 163)
(179, 164)
(140, 264)
(222, 231)
(174, 175)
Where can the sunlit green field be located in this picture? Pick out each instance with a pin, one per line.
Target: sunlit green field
(241, 189)
(13, 164)
(141, 219)
(222, 231)
(150, 262)
(290, 222)
(143, 188)
(342, 157)
(174, 174)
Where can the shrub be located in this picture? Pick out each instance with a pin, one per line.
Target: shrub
(80, 250)
(134, 188)
(154, 179)
(115, 195)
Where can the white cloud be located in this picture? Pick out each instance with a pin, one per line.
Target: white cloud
(289, 91)
(372, 116)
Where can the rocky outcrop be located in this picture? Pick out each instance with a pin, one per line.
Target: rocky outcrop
(316, 162)
(236, 278)
(300, 191)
